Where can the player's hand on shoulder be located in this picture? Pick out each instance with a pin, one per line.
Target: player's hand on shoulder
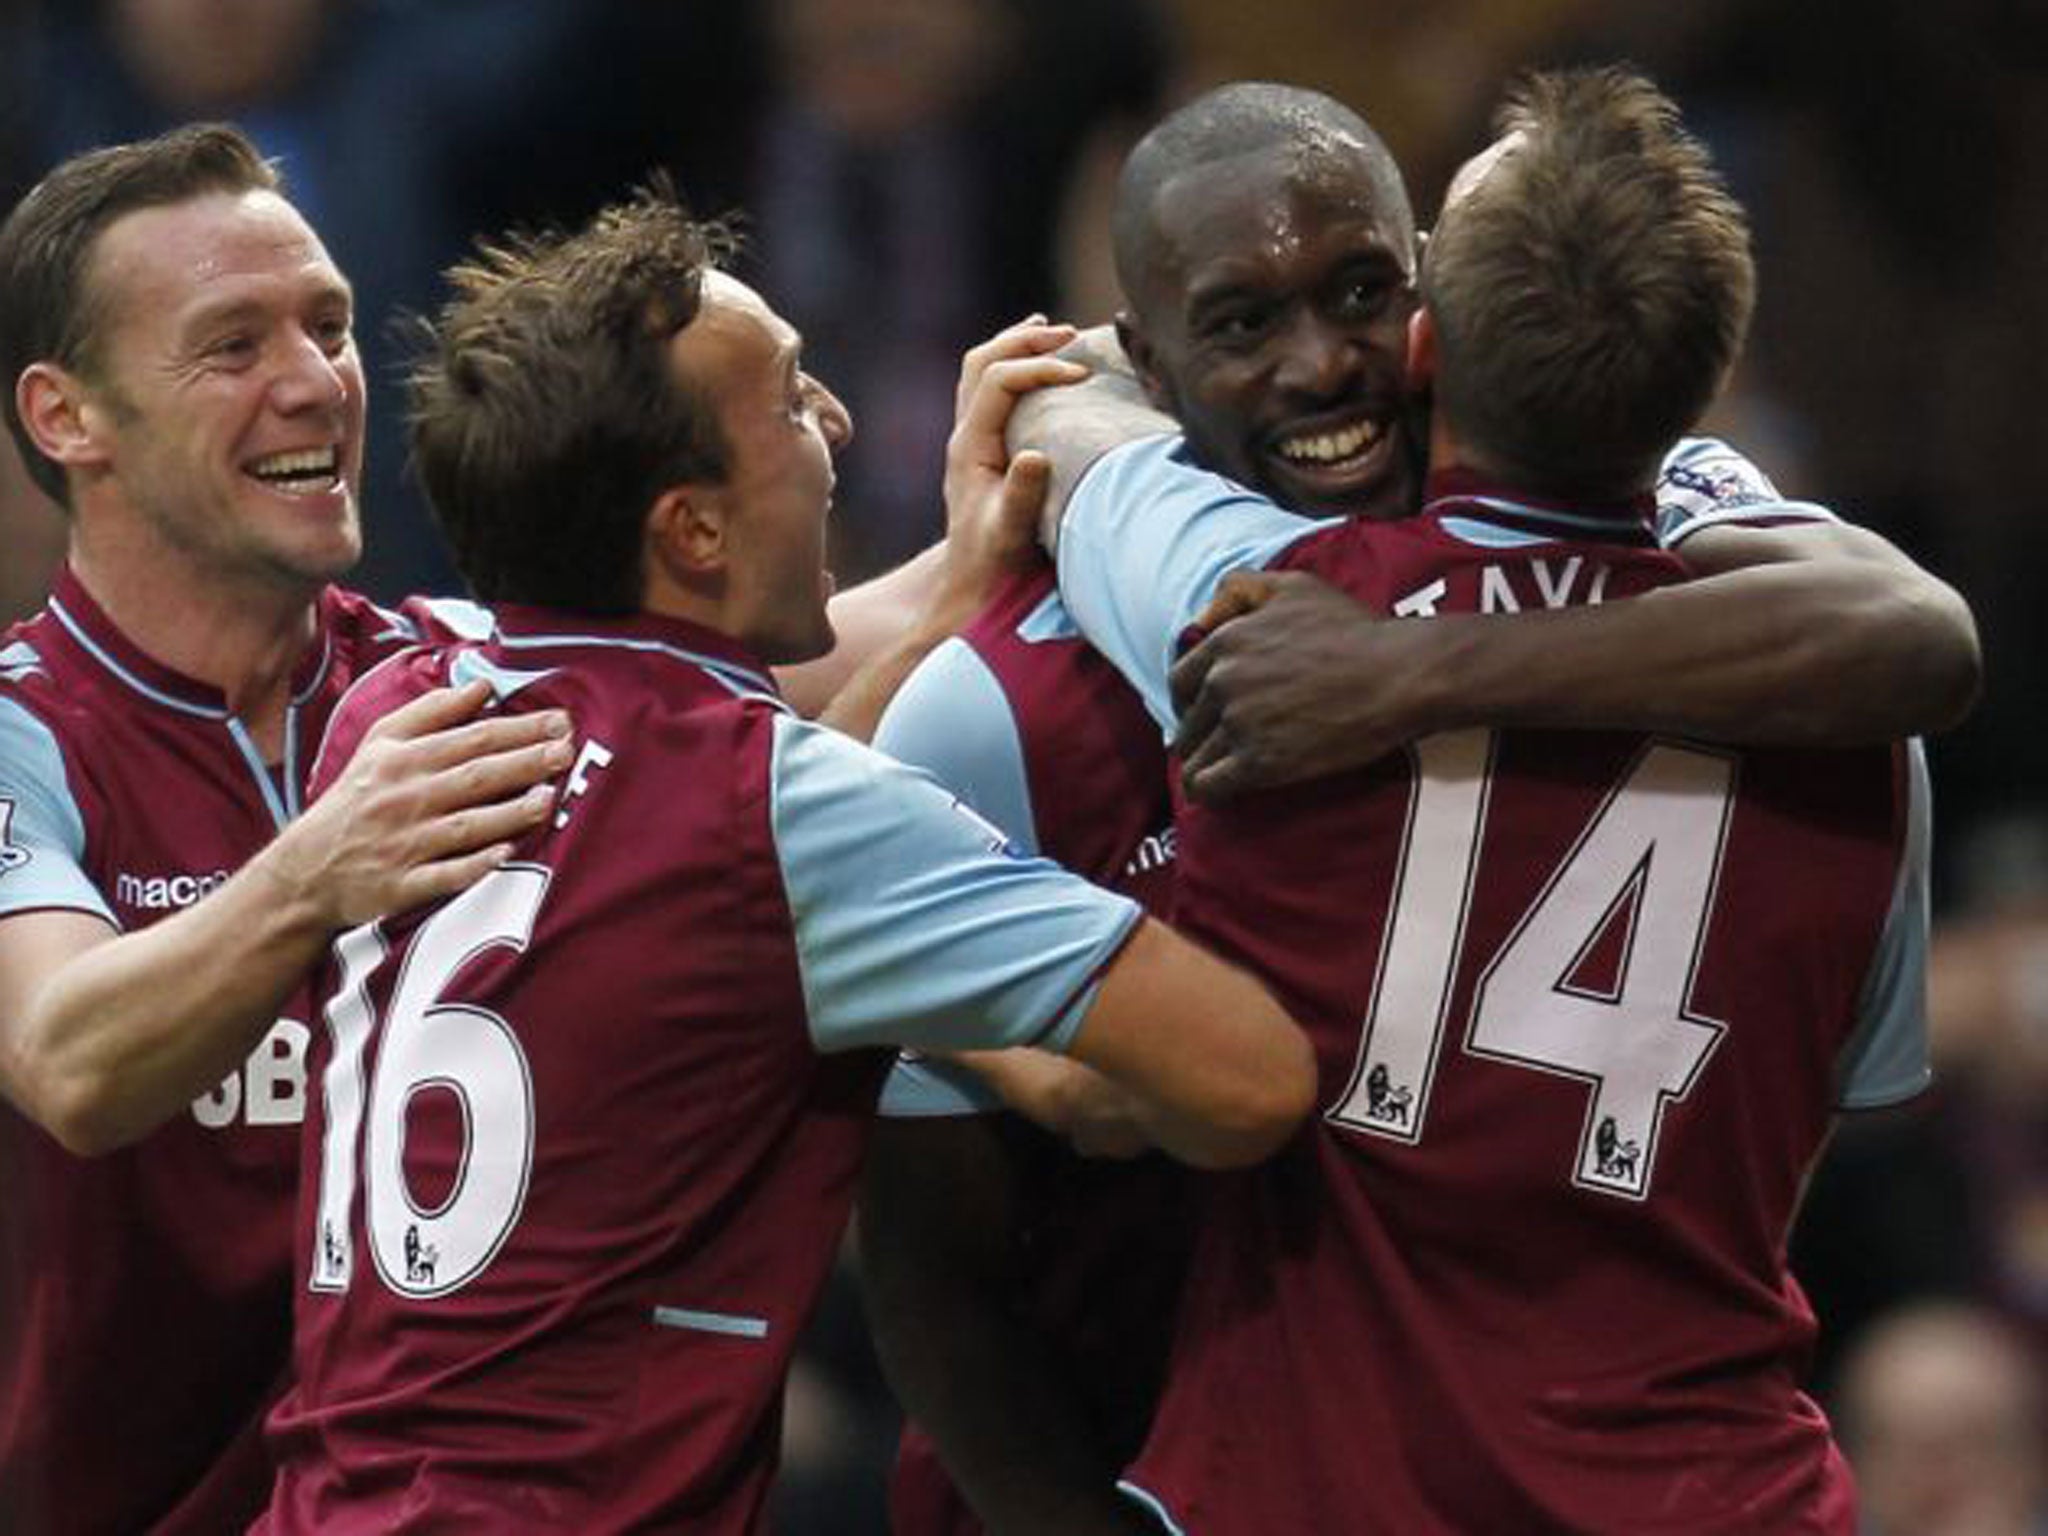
(993, 501)
(432, 800)
(1098, 350)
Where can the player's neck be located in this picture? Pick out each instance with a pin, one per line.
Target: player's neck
(244, 637)
(710, 606)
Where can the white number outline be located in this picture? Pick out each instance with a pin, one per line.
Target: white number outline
(363, 1140)
(1450, 796)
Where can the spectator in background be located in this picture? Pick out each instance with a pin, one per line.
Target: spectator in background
(1942, 1416)
(910, 177)
(1950, 1196)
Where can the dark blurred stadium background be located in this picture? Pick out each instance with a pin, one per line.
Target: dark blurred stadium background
(914, 172)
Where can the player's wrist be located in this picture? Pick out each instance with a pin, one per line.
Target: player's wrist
(1461, 683)
(289, 891)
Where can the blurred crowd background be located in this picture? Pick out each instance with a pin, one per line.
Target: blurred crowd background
(913, 173)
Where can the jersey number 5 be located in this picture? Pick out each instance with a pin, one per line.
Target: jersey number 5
(1637, 886)
(427, 1043)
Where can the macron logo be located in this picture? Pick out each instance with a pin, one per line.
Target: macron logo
(164, 893)
(1154, 852)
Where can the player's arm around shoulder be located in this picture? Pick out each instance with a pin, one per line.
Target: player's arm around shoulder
(105, 1035)
(1881, 648)
(1220, 1075)
(918, 923)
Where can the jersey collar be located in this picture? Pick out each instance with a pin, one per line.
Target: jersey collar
(521, 627)
(88, 625)
(1463, 493)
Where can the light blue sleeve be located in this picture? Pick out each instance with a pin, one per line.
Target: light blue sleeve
(952, 719)
(1705, 483)
(917, 923)
(1146, 539)
(42, 835)
(1887, 1059)
(925, 1088)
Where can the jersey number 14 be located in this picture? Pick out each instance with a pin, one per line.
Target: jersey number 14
(1641, 878)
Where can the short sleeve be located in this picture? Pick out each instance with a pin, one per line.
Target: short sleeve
(42, 833)
(1146, 539)
(1887, 1059)
(921, 1088)
(952, 719)
(1704, 483)
(917, 921)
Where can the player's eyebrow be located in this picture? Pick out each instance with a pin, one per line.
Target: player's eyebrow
(225, 312)
(1206, 295)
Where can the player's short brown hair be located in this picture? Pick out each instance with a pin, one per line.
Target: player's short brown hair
(48, 310)
(545, 416)
(1591, 294)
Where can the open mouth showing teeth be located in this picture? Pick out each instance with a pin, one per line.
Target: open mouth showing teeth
(1329, 447)
(303, 470)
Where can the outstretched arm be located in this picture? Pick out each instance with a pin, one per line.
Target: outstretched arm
(104, 1036)
(1818, 634)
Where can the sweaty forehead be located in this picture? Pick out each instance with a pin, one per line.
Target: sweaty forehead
(1271, 206)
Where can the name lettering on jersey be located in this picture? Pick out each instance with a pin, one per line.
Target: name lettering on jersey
(164, 893)
(1422, 602)
(12, 854)
(1153, 852)
(1512, 587)
(268, 1089)
(595, 755)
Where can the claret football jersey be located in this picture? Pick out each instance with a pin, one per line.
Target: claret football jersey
(1584, 1004)
(584, 1137)
(144, 1296)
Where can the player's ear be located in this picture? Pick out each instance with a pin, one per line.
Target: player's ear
(1144, 361)
(689, 533)
(1421, 349)
(61, 415)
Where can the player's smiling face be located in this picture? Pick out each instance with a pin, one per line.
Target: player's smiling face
(1275, 324)
(782, 428)
(229, 392)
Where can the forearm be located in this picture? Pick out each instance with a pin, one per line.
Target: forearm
(126, 1031)
(1093, 1115)
(1219, 1075)
(856, 705)
(1798, 653)
(104, 1036)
